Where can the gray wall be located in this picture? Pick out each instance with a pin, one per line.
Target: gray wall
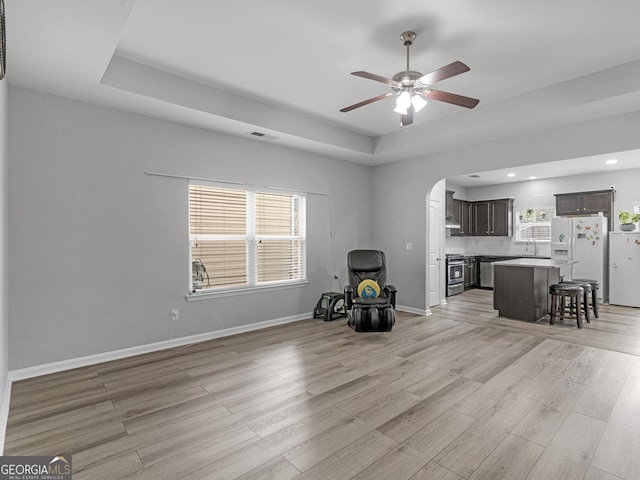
(99, 249)
(403, 188)
(4, 255)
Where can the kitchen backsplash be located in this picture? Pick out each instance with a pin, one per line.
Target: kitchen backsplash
(494, 246)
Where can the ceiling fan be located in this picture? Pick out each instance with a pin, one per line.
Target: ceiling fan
(413, 88)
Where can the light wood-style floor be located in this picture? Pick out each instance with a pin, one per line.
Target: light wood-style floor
(459, 394)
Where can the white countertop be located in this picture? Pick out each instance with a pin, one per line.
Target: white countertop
(534, 262)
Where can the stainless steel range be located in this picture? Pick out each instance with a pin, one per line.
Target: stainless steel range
(455, 274)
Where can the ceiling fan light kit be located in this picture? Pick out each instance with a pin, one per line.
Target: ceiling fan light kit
(403, 102)
(418, 102)
(412, 88)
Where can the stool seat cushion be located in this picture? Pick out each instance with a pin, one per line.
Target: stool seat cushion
(583, 284)
(588, 280)
(566, 287)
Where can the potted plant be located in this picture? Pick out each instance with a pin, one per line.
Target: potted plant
(628, 221)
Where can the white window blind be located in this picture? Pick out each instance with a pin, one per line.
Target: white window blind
(242, 238)
(534, 223)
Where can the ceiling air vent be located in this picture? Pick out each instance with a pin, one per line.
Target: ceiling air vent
(262, 135)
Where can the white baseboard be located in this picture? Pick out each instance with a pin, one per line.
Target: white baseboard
(55, 367)
(4, 412)
(415, 311)
(31, 372)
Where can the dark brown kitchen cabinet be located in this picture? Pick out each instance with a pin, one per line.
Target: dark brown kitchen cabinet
(461, 216)
(493, 218)
(481, 217)
(568, 204)
(586, 203)
(449, 204)
(470, 272)
(501, 216)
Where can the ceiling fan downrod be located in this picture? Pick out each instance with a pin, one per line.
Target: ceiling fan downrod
(407, 39)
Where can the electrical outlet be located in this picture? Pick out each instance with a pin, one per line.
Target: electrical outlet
(175, 315)
(409, 246)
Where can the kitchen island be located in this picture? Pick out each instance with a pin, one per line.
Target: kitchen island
(521, 287)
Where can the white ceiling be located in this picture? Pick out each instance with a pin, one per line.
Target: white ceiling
(282, 67)
(564, 168)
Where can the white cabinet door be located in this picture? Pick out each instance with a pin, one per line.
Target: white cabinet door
(624, 271)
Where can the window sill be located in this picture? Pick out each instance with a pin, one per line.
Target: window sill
(194, 297)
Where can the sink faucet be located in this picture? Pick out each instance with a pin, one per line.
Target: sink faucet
(535, 246)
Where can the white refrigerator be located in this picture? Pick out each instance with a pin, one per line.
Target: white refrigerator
(624, 271)
(583, 240)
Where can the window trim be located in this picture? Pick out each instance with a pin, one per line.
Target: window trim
(516, 222)
(251, 238)
(235, 291)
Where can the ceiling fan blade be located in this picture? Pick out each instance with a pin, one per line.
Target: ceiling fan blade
(377, 78)
(365, 102)
(407, 119)
(442, 73)
(447, 97)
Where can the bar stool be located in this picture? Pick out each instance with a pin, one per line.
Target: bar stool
(586, 285)
(559, 308)
(595, 286)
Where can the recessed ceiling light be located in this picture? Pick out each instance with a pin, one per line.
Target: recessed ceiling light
(532, 178)
(511, 174)
(611, 161)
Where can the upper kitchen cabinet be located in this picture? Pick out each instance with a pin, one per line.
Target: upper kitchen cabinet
(449, 204)
(493, 218)
(586, 203)
(462, 217)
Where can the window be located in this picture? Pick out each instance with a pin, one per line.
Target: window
(534, 224)
(243, 238)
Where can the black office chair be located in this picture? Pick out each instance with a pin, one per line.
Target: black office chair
(369, 313)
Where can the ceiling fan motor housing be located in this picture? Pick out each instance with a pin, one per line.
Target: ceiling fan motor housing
(407, 78)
